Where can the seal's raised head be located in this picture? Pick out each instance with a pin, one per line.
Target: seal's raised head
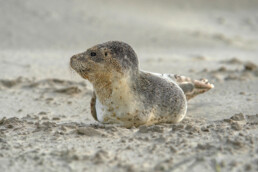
(110, 58)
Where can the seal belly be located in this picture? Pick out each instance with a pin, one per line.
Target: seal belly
(100, 109)
(112, 115)
(134, 116)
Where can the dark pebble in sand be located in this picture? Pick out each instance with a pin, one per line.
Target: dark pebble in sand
(69, 90)
(44, 118)
(88, 131)
(49, 99)
(238, 117)
(228, 121)
(155, 128)
(2, 140)
(248, 167)
(9, 122)
(100, 156)
(161, 139)
(205, 129)
(236, 143)
(205, 70)
(2, 120)
(234, 60)
(42, 113)
(232, 77)
(11, 83)
(222, 69)
(252, 119)
(10, 126)
(192, 128)
(250, 66)
(177, 127)
(236, 126)
(56, 118)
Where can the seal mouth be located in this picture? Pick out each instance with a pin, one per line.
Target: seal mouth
(78, 66)
(85, 70)
(81, 69)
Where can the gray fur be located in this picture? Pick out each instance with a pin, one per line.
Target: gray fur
(123, 52)
(166, 97)
(187, 87)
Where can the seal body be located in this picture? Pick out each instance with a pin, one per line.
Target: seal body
(147, 100)
(125, 95)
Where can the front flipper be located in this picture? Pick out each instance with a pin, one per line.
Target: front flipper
(93, 106)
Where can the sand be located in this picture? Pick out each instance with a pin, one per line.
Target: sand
(45, 120)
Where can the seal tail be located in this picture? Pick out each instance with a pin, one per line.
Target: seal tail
(191, 87)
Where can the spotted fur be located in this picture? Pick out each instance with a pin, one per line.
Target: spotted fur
(125, 95)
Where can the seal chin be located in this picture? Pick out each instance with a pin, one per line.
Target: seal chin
(79, 68)
(84, 72)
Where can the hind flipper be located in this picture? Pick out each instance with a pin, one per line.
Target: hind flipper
(191, 87)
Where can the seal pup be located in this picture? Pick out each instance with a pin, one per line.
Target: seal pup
(125, 95)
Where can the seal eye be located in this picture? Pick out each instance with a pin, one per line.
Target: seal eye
(93, 54)
(105, 53)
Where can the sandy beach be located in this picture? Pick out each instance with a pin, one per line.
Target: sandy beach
(45, 119)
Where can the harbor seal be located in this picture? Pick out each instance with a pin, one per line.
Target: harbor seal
(125, 95)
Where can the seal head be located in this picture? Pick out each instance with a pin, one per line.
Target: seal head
(107, 58)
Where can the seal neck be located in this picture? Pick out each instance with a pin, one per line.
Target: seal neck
(113, 88)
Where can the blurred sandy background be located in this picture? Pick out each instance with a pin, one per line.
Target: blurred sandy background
(53, 129)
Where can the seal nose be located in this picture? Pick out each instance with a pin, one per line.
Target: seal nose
(77, 57)
(72, 59)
